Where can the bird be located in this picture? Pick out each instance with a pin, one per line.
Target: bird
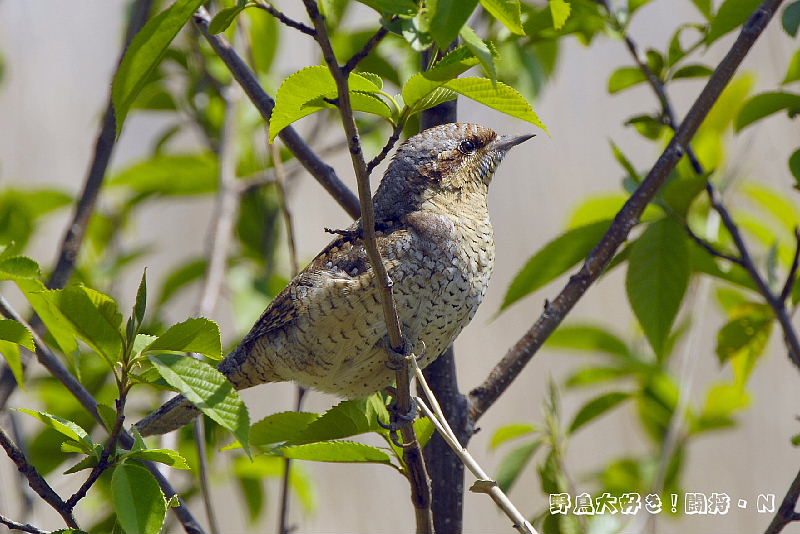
(326, 329)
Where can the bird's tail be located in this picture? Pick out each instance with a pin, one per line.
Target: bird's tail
(171, 416)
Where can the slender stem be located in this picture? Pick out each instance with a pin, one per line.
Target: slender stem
(297, 25)
(787, 510)
(396, 131)
(791, 278)
(205, 486)
(36, 481)
(321, 171)
(370, 45)
(24, 527)
(280, 175)
(503, 374)
(283, 518)
(413, 455)
(711, 249)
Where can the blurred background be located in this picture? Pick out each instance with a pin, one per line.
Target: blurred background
(58, 60)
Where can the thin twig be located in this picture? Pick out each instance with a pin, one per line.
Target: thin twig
(373, 41)
(321, 171)
(218, 245)
(787, 511)
(280, 175)
(503, 374)
(791, 278)
(37, 481)
(283, 517)
(778, 306)
(24, 527)
(711, 249)
(484, 484)
(413, 455)
(374, 162)
(297, 25)
(109, 449)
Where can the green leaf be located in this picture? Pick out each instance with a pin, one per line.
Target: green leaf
(93, 317)
(765, 104)
(506, 11)
(605, 208)
(705, 7)
(280, 427)
(793, 72)
(225, 18)
(304, 86)
(731, 15)
(65, 427)
(480, 50)
(447, 17)
(138, 499)
(144, 54)
(18, 267)
(554, 259)
(560, 11)
(634, 5)
(162, 456)
(514, 462)
(13, 357)
(501, 97)
(336, 451)
(198, 335)
(404, 8)
(450, 66)
(365, 102)
(348, 418)
(508, 432)
(624, 78)
(794, 167)
(171, 174)
(744, 338)
(181, 277)
(16, 332)
(592, 376)
(597, 407)
(693, 71)
(208, 389)
(791, 18)
(58, 325)
(590, 338)
(773, 202)
(722, 403)
(658, 275)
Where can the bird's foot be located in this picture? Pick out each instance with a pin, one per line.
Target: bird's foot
(395, 361)
(397, 420)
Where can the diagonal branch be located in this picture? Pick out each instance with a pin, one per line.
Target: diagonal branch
(22, 527)
(297, 25)
(420, 487)
(37, 481)
(368, 47)
(787, 510)
(321, 171)
(503, 374)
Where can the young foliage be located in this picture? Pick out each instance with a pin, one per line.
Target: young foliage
(138, 500)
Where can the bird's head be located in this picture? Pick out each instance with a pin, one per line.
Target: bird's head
(451, 162)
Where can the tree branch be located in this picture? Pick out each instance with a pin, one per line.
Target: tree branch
(420, 488)
(24, 527)
(711, 249)
(368, 47)
(791, 278)
(786, 511)
(321, 171)
(485, 395)
(374, 162)
(37, 481)
(284, 19)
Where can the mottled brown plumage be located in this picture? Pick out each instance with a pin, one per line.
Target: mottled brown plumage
(326, 330)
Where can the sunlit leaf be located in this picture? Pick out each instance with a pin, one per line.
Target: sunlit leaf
(138, 499)
(597, 407)
(560, 11)
(192, 335)
(731, 15)
(765, 104)
(336, 451)
(506, 11)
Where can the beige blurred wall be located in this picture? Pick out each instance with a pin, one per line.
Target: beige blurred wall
(59, 59)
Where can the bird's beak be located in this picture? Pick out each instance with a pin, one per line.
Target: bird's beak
(506, 142)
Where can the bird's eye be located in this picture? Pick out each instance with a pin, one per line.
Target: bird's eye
(467, 146)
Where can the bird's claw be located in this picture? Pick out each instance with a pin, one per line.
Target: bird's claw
(398, 421)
